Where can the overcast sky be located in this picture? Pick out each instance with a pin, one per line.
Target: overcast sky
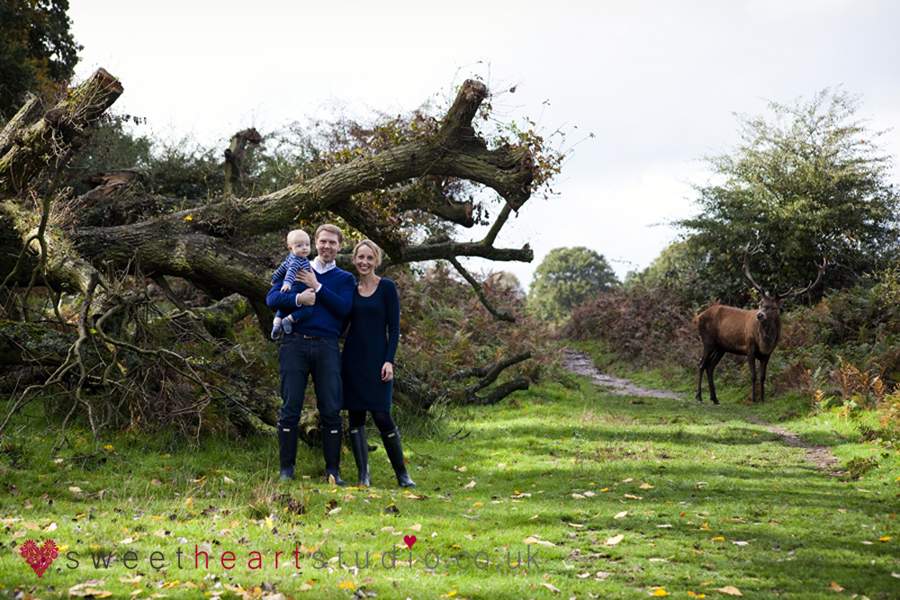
(656, 82)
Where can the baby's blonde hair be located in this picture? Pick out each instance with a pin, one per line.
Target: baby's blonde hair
(296, 233)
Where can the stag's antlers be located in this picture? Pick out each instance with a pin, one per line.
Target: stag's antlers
(789, 293)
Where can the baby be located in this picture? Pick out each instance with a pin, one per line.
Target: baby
(298, 244)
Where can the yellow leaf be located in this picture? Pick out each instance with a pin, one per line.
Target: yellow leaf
(835, 587)
(615, 540)
(477, 504)
(660, 592)
(646, 486)
(189, 218)
(347, 585)
(718, 539)
(693, 595)
(884, 539)
(269, 523)
(189, 501)
(730, 590)
(624, 513)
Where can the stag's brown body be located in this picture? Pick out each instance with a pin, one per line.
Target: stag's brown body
(750, 333)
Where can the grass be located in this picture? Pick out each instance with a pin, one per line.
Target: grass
(556, 493)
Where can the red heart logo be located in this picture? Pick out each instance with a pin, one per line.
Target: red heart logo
(410, 540)
(41, 558)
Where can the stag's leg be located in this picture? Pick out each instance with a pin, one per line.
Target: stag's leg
(751, 362)
(704, 362)
(713, 363)
(763, 363)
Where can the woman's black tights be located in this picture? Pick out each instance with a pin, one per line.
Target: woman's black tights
(383, 420)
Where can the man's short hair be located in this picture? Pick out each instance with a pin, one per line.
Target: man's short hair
(332, 229)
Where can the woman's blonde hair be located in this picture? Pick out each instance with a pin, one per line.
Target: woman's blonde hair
(375, 249)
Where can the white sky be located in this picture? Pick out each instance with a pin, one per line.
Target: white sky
(655, 81)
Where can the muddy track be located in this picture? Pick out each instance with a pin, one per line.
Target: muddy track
(581, 364)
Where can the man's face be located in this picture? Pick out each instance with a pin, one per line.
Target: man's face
(328, 246)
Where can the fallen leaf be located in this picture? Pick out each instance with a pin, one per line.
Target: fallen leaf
(615, 540)
(659, 592)
(881, 539)
(835, 587)
(718, 539)
(622, 514)
(550, 587)
(693, 595)
(730, 590)
(471, 484)
(646, 486)
(740, 543)
(227, 479)
(75, 490)
(416, 527)
(630, 497)
(578, 496)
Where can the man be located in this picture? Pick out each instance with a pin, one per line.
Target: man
(312, 349)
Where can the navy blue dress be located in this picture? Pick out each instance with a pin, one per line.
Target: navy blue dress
(371, 341)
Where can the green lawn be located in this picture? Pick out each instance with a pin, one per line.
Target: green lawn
(557, 493)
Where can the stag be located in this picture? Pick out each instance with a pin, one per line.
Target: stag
(753, 334)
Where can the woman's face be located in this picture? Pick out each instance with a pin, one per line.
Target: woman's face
(364, 261)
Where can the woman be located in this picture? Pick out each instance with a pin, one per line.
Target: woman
(367, 370)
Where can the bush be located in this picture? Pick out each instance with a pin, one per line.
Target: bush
(644, 325)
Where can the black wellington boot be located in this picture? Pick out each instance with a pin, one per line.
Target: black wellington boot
(360, 446)
(287, 450)
(394, 450)
(331, 447)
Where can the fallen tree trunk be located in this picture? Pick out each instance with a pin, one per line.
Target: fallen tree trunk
(88, 246)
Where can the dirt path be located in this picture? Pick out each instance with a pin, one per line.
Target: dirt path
(581, 364)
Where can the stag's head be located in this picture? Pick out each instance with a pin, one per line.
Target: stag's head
(769, 305)
(769, 308)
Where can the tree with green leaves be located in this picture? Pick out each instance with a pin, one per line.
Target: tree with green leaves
(806, 184)
(566, 278)
(37, 50)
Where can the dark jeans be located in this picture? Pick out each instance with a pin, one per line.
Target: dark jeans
(299, 358)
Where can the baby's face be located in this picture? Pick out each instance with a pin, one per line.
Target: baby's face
(300, 247)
